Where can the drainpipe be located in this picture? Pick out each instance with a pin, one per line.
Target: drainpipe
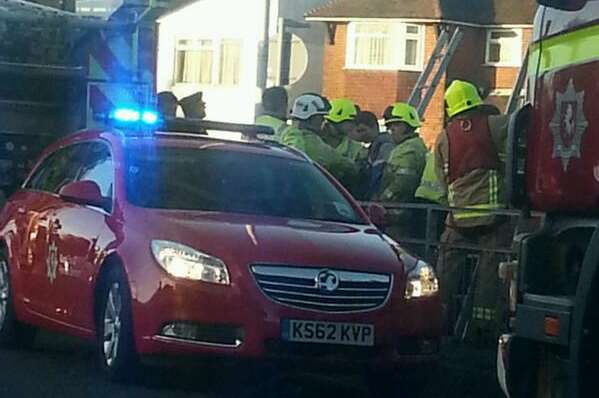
(263, 49)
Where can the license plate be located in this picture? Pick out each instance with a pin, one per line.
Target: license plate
(328, 333)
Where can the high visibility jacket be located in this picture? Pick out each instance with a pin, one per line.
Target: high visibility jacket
(344, 169)
(404, 170)
(352, 149)
(430, 188)
(469, 163)
(278, 126)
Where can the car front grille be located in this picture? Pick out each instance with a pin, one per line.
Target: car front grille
(323, 289)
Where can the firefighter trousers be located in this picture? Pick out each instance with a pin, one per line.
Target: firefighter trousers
(485, 308)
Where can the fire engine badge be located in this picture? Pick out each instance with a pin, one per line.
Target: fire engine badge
(568, 124)
(52, 262)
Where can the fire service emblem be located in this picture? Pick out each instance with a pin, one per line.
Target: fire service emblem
(568, 124)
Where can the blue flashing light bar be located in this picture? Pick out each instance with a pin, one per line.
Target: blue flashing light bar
(132, 116)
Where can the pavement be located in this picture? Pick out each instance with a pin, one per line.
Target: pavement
(62, 367)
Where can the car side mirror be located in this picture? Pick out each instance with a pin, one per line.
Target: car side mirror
(568, 5)
(377, 214)
(84, 193)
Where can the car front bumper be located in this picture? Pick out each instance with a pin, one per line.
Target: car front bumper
(240, 321)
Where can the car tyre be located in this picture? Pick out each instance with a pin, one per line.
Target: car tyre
(116, 346)
(12, 332)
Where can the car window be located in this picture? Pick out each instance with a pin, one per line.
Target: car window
(98, 167)
(233, 182)
(58, 169)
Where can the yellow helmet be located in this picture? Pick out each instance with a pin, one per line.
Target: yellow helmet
(342, 110)
(402, 112)
(460, 97)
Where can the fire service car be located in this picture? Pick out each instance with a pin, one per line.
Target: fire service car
(174, 244)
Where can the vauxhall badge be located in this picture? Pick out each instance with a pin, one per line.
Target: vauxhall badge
(568, 124)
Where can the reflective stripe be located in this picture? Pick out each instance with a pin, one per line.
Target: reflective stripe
(493, 203)
(405, 172)
(565, 50)
(432, 185)
(483, 314)
(467, 214)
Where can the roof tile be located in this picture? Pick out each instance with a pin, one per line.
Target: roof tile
(483, 12)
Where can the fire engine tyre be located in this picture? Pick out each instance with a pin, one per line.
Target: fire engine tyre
(12, 332)
(115, 343)
(549, 381)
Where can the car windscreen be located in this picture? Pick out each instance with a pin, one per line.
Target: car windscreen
(233, 182)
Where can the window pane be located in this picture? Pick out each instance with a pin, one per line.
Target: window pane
(373, 51)
(411, 52)
(194, 63)
(494, 52)
(59, 169)
(373, 28)
(230, 59)
(412, 29)
(232, 182)
(508, 34)
(99, 169)
(508, 51)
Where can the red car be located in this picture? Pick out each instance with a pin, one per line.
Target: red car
(174, 244)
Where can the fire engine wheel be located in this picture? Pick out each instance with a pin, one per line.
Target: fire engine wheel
(12, 332)
(116, 347)
(549, 381)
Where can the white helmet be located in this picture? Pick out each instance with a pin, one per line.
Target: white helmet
(308, 105)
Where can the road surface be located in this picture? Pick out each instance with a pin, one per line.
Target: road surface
(66, 368)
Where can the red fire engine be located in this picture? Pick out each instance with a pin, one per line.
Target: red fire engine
(553, 169)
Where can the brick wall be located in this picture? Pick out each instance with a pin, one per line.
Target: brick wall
(375, 90)
(469, 62)
(372, 90)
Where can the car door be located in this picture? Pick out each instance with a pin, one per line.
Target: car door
(81, 231)
(39, 256)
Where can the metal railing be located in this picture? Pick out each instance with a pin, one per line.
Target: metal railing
(419, 227)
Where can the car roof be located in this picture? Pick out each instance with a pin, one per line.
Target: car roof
(184, 140)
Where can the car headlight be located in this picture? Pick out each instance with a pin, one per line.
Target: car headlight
(422, 281)
(184, 262)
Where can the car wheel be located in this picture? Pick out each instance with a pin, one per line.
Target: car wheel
(116, 347)
(12, 332)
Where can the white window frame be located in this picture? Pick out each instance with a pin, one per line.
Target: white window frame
(216, 45)
(516, 60)
(400, 36)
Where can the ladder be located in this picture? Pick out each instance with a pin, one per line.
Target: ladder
(518, 95)
(437, 65)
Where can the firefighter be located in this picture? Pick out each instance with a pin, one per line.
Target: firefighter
(406, 162)
(194, 106)
(431, 190)
(307, 117)
(274, 104)
(167, 104)
(403, 169)
(339, 129)
(467, 159)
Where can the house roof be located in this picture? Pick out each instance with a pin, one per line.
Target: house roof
(478, 12)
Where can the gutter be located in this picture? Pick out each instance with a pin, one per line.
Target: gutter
(416, 20)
